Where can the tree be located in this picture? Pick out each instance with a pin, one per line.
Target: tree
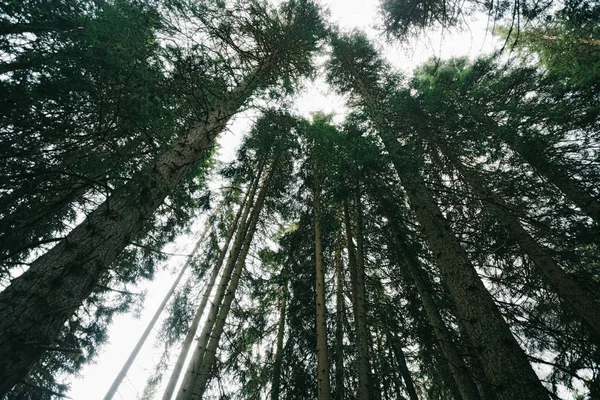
(64, 276)
(355, 68)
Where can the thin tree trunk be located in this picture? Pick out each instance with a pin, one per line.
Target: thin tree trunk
(339, 321)
(458, 368)
(35, 307)
(121, 375)
(276, 385)
(189, 338)
(210, 353)
(582, 302)
(403, 366)
(323, 385)
(196, 362)
(358, 303)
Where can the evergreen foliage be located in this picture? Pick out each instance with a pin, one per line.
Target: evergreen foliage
(438, 243)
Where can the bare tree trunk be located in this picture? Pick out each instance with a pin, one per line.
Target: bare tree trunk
(196, 362)
(323, 385)
(121, 375)
(36, 305)
(210, 353)
(403, 366)
(189, 338)
(458, 368)
(276, 385)
(506, 364)
(339, 320)
(581, 301)
(360, 317)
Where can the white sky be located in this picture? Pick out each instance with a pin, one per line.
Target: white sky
(125, 330)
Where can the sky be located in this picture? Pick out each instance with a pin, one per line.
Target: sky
(96, 378)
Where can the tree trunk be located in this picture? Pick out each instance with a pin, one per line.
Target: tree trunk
(583, 303)
(210, 353)
(323, 385)
(506, 364)
(588, 204)
(196, 362)
(458, 368)
(403, 366)
(339, 321)
(276, 386)
(189, 338)
(36, 305)
(360, 317)
(121, 375)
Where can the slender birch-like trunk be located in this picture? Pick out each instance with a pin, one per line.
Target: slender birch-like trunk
(121, 375)
(210, 352)
(189, 337)
(196, 362)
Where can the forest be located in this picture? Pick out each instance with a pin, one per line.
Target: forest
(440, 242)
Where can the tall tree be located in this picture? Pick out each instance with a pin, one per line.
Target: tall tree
(356, 68)
(63, 277)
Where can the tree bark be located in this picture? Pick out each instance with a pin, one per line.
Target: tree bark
(505, 363)
(458, 368)
(582, 302)
(323, 385)
(276, 385)
(588, 204)
(36, 305)
(403, 366)
(339, 321)
(189, 338)
(358, 305)
(210, 353)
(196, 362)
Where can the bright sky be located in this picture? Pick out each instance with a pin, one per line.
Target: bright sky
(125, 330)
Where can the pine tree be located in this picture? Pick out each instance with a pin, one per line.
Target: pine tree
(64, 276)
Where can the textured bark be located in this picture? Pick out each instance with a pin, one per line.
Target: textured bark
(196, 362)
(556, 176)
(360, 317)
(210, 353)
(276, 385)
(458, 368)
(323, 385)
(339, 321)
(189, 337)
(505, 363)
(403, 367)
(121, 375)
(582, 302)
(37, 304)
